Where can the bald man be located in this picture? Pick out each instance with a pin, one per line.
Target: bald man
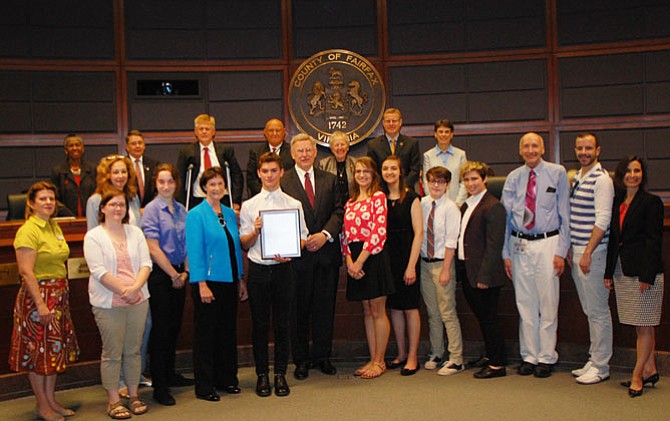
(274, 133)
(536, 197)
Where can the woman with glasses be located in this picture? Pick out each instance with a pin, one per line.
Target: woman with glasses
(43, 339)
(215, 263)
(163, 224)
(118, 258)
(369, 277)
(114, 172)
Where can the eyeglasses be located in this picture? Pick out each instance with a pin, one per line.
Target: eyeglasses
(438, 182)
(116, 205)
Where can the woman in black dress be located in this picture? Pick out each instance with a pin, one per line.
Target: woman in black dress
(635, 263)
(404, 236)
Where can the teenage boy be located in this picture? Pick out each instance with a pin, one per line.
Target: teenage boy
(269, 282)
(441, 226)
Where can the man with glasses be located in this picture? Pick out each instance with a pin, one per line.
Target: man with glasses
(317, 271)
(441, 226)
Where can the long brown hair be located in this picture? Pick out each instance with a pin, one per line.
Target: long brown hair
(367, 163)
(401, 179)
(105, 171)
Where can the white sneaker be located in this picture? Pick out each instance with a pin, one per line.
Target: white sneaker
(593, 376)
(581, 371)
(432, 363)
(450, 368)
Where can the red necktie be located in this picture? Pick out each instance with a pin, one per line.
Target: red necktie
(206, 159)
(309, 189)
(140, 182)
(531, 196)
(430, 235)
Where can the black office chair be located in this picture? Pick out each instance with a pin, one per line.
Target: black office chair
(16, 206)
(495, 184)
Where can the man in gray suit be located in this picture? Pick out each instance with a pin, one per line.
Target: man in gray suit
(315, 273)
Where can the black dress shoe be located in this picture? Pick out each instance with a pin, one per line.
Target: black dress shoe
(543, 370)
(409, 371)
(301, 371)
(392, 365)
(211, 396)
(180, 381)
(526, 369)
(635, 393)
(232, 389)
(490, 373)
(281, 387)
(163, 397)
(263, 386)
(480, 362)
(327, 368)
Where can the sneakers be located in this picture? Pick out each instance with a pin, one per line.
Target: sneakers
(450, 368)
(581, 371)
(432, 363)
(593, 376)
(145, 381)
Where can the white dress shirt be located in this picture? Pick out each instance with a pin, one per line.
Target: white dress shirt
(197, 191)
(446, 225)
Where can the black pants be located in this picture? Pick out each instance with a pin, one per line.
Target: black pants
(215, 339)
(484, 303)
(314, 310)
(167, 309)
(270, 290)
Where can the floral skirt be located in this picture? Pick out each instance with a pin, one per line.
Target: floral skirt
(44, 350)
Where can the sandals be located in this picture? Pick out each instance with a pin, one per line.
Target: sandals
(359, 371)
(374, 371)
(136, 406)
(117, 411)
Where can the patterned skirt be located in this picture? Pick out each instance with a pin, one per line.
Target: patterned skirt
(44, 350)
(636, 308)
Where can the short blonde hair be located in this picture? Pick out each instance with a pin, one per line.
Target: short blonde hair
(205, 119)
(302, 137)
(339, 135)
(477, 166)
(393, 111)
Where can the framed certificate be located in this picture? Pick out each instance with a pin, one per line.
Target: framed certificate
(280, 234)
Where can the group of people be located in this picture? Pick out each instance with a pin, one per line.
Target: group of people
(148, 236)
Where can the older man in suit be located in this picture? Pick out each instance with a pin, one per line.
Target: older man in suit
(394, 143)
(194, 159)
(479, 264)
(274, 133)
(143, 165)
(316, 272)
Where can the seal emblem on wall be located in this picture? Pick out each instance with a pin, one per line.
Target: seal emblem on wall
(336, 90)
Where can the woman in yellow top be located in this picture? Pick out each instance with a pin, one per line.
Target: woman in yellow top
(43, 338)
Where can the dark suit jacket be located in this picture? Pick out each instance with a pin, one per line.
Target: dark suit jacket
(67, 189)
(149, 167)
(638, 244)
(190, 154)
(483, 242)
(326, 214)
(407, 149)
(253, 182)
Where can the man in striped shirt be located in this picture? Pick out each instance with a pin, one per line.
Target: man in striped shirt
(590, 211)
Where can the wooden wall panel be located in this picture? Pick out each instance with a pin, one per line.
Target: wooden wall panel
(421, 27)
(334, 24)
(583, 22)
(57, 30)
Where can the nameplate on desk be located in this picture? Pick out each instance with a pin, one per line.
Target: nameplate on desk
(77, 268)
(9, 274)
